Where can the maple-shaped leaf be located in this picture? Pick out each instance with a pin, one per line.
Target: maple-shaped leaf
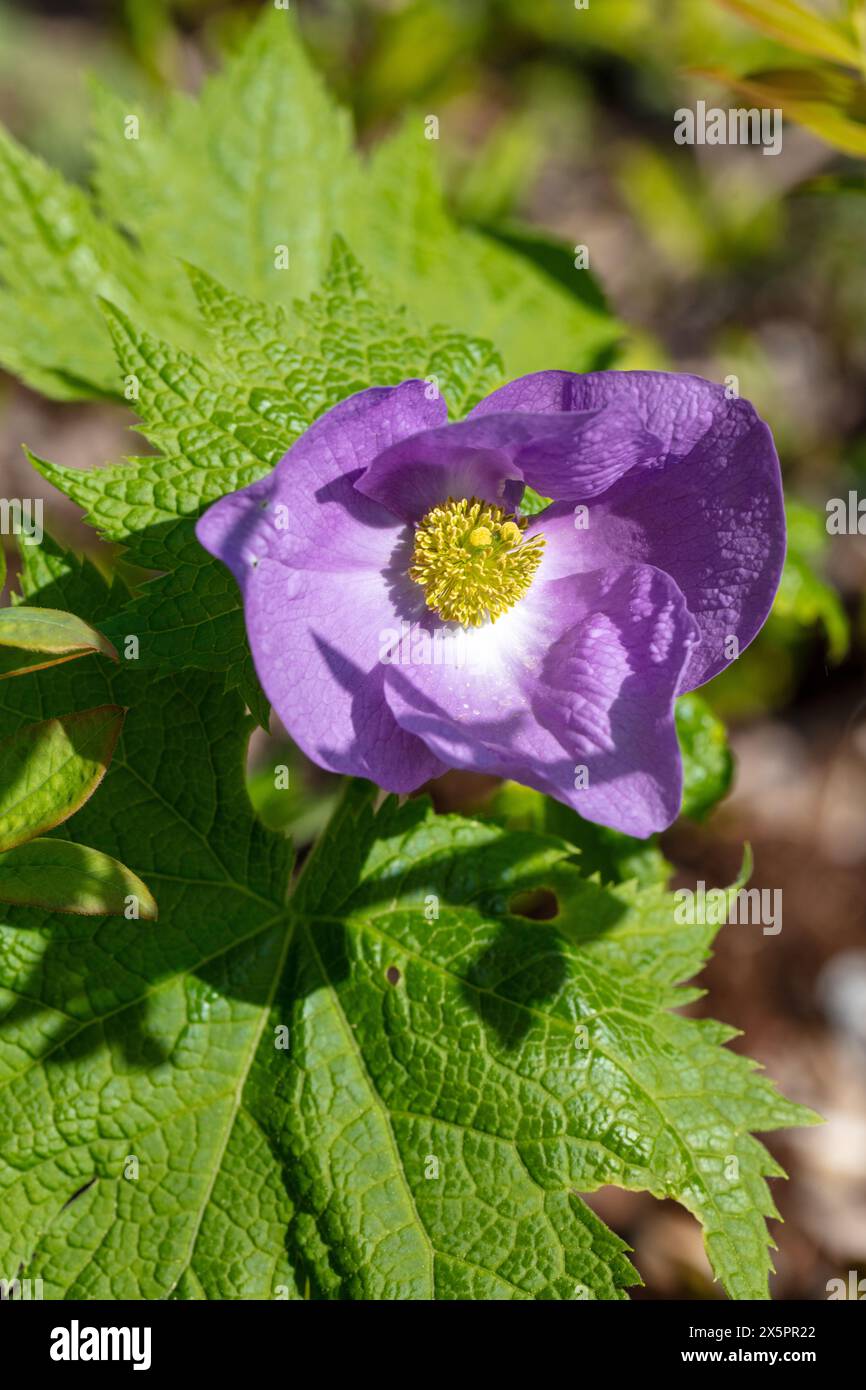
(393, 1085)
(250, 181)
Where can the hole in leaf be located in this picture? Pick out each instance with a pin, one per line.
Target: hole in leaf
(539, 904)
(392, 975)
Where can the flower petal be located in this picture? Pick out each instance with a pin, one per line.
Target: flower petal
(710, 511)
(581, 674)
(315, 562)
(307, 510)
(420, 473)
(317, 643)
(564, 455)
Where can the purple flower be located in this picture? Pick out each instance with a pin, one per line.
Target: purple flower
(404, 618)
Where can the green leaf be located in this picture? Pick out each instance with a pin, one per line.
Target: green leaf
(241, 676)
(64, 877)
(537, 1058)
(800, 28)
(551, 255)
(345, 338)
(264, 148)
(804, 599)
(48, 770)
(120, 1040)
(402, 234)
(708, 766)
(613, 856)
(532, 502)
(56, 256)
(48, 236)
(49, 636)
(816, 102)
(426, 1020)
(289, 793)
(259, 169)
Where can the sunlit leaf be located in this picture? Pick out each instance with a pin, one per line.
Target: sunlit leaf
(48, 636)
(707, 762)
(48, 770)
(828, 122)
(805, 599)
(799, 28)
(60, 876)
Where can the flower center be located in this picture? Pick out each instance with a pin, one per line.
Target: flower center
(472, 560)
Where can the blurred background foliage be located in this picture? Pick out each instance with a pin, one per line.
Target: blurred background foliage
(556, 132)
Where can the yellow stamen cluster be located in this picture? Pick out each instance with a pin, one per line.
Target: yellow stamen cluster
(472, 561)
